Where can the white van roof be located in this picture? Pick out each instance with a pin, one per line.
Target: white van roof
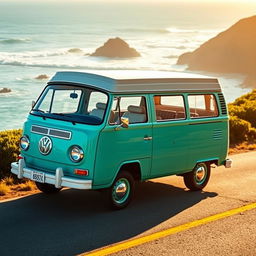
(134, 81)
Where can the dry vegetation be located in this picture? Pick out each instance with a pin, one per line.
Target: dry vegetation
(9, 188)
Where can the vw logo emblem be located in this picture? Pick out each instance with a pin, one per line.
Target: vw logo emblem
(45, 145)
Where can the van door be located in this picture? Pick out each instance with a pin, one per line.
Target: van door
(170, 135)
(118, 145)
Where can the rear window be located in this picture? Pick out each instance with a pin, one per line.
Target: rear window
(202, 106)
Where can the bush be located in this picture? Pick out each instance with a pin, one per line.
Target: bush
(239, 130)
(246, 111)
(243, 119)
(4, 189)
(245, 98)
(9, 150)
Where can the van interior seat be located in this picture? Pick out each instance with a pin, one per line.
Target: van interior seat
(136, 114)
(180, 115)
(99, 110)
(165, 114)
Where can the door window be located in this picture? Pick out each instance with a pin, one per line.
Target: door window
(133, 108)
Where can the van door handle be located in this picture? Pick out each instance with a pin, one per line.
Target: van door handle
(148, 138)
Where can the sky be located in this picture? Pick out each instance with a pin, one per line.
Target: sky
(146, 1)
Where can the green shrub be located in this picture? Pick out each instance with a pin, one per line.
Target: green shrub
(239, 130)
(9, 150)
(251, 96)
(246, 111)
(243, 119)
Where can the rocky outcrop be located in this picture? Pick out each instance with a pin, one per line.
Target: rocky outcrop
(232, 51)
(75, 51)
(42, 77)
(116, 48)
(5, 90)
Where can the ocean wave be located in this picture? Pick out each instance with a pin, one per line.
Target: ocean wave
(64, 66)
(169, 30)
(171, 56)
(181, 47)
(38, 54)
(181, 30)
(146, 30)
(14, 40)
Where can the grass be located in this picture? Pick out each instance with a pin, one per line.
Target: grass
(4, 189)
(9, 188)
(9, 181)
(243, 147)
(27, 186)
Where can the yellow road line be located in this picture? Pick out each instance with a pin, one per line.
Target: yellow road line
(138, 241)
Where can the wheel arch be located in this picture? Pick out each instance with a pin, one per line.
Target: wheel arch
(133, 167)
(208, 161)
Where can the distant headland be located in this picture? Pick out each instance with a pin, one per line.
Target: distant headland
(232, 51)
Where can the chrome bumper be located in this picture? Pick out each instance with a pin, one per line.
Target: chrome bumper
(58, 180)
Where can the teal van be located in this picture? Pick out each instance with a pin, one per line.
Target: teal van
(104, 132)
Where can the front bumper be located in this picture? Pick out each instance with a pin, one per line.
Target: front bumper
(58, 180)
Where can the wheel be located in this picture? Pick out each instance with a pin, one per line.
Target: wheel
(198, 178)
(121, 191)
(47, 188)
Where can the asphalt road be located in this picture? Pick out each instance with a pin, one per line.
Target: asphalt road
(73, 222)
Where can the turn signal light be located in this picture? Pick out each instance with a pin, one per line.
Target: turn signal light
(81, 172)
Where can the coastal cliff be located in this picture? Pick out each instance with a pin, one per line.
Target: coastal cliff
(232, 51)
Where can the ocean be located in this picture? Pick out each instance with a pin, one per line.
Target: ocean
(37, 38)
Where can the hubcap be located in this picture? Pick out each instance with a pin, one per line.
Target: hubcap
(121, 190)
(200, 174)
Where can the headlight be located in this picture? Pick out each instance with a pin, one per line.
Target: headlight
(24, 142)
(76, 154)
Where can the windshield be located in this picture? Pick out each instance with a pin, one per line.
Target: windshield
(72, 103)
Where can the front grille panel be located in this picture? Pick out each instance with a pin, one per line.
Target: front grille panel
(66, 135)
(38, 129)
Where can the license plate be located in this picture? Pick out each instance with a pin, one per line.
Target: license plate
(37, 176)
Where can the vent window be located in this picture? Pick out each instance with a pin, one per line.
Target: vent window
(222, 104)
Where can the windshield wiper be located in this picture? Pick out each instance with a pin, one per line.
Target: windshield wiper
(38, 110)
(59, 114)
(65, 115)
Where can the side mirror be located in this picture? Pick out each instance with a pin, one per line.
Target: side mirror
(124, 122)
(33, 104)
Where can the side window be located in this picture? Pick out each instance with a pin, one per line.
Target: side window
(133, 108)
(169, 107)
(96, 97)
(201, 106)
